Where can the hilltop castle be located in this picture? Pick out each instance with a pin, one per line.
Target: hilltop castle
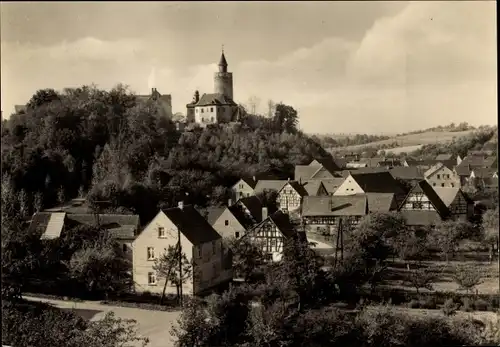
(218, 107)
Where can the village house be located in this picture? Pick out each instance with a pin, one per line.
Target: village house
(202, 245)
(318, 169)
(441, 176)
(224, 221)
(269, 186)
(472, 162)
(449, 157)
(315, 187)
(252, 207)
(457, 202)
(162, 102)
(375, 182)
(423, 207)
(483, 172)
(243, 188)
(290, 196)
(325, 217)
(121, 228)
(272, 233)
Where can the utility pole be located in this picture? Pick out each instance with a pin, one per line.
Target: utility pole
(180, 267)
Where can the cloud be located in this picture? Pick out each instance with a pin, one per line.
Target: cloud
(431, 63)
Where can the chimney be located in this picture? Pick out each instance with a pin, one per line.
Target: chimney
(288, 179)
(181, 205)
(229, 202)
(264, 213)
(253, 177)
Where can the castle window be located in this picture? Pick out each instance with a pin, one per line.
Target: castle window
(202, 110)
(211, 109)
(439, 176)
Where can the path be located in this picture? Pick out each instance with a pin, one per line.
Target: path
(155, 325)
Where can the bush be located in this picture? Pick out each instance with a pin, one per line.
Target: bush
(428, 303)
(482, 305)
(467, 305)
(449, 308)
(414, 304)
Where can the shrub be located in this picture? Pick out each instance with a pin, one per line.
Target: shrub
(429, 303)
(467, 305)
(449, 308)
(481, 305)
(414, 304)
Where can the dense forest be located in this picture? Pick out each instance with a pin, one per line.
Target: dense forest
(110, 146)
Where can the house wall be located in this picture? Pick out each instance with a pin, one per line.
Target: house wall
(241, 190)
(207, 268)
(460, 209)
(444, 177)
(348, 187)
(288, 199)
(270, 239)
(228, 226)
(419, 202)
(205, 115)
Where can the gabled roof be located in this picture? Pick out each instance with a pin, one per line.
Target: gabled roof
(429, 172)
(304, 172)
(407, 173)
(215, 99)
(327, 162)
(120, 226)
(377, 182)
(332, 185)
(426, 188)
(351, 205)
(282, 222)
(474, 161)
(447, 195)
(450, 164)
(253, 205)
(242, 217)
(192, 224)
(263, 185)
(312, 187)
(381, 202)
(211, 214)
(372, 162)
(297, 187)
(250, 181)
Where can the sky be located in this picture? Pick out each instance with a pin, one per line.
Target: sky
(374, 67)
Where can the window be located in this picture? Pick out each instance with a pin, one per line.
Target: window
(442, 184)
(202, 110)
(199, 251)
(151, 253)
(213, 247)
(453, 185)
(268, 257)
(124, 247)
(438, 176)
(211, 110)
(241, 185)
(226, 222)
(417, 205)
(273, 243)
(161, 232)
(434, 184)
(212, 119)
(151, 278)
(237, 234)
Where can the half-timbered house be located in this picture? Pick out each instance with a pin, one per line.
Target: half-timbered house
(290, 196)
(272, 233)
(457, 202)
(423, 207)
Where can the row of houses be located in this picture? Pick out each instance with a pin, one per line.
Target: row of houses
(321, 202)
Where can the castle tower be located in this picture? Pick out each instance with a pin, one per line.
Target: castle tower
(223, 80)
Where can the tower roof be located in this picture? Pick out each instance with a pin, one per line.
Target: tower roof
(222, 61)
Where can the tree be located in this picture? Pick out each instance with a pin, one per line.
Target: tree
(247, 256)
(38, 202)
(100, 269)
(286, 118)
(421, 279)
(271, 108)
(447, 235)
(467, 277)
(61, 196)
(169, 267)
(23, 204)
(490, 230)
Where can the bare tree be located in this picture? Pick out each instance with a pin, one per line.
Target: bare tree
(271, 108)
(253, 103)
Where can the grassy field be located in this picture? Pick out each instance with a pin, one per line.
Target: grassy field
(398, 150)
(429, 137)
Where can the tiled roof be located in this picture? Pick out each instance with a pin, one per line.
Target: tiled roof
(250, 181)
(304, 172)
(473, 161)
(192, 224)
(447, 195)
(212, 214)
(120, 226)
(445, 157)
(242, 217)
(254, 206)
(313, 186)
(55, 226)
(407, 173)
(215, 99)
(327, 162)
(363, 170)
(332, 185)
(378, 182)
(421, 218)
(483, 172)
(381, 202)
(372, 162)
(263, 185)
(282, 222)
(450, 164)
(433, 169)
(426, 188)
(351, 205)
(298, 188)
